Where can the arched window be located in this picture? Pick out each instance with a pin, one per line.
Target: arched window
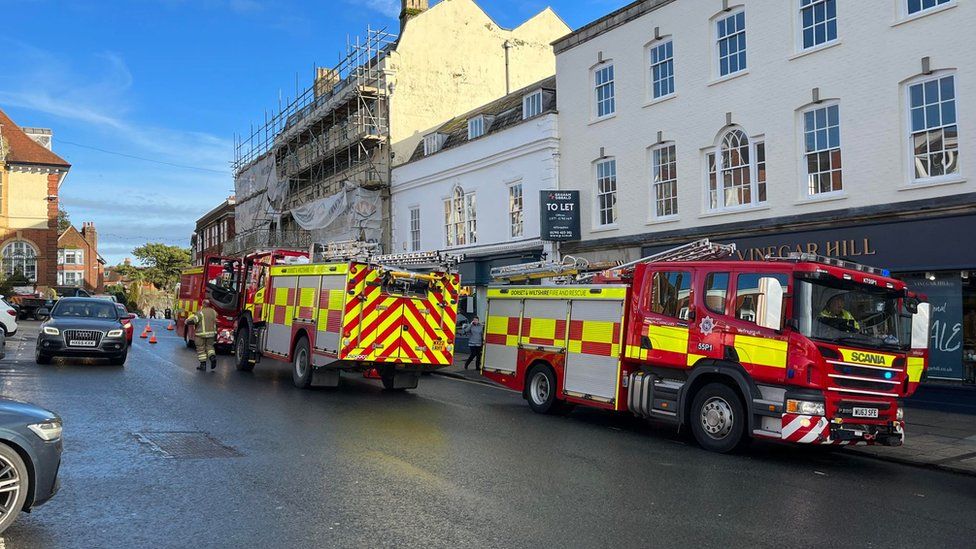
(20, 257)
(736, 171)
(460, 218)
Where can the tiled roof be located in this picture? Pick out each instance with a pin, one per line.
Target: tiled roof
(507, 112)
(23, 149)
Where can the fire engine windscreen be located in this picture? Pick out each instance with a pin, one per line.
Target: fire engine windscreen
(849, 313)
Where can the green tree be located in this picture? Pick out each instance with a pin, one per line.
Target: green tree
(163, 263)
(64, 221)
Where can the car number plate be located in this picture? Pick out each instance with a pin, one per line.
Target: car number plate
(81, 343)
(865, 412)
(439, 345)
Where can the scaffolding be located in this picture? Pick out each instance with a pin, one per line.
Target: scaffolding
(334, 136)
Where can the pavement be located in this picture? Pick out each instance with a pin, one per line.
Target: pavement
(934, 437)
(158, 454)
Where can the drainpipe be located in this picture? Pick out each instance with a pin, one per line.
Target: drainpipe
(507, 45)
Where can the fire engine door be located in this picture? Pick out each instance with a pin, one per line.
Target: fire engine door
(666, 310)
(223, 286)
(707, 328)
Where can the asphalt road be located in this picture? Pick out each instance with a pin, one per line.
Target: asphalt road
(451, 464)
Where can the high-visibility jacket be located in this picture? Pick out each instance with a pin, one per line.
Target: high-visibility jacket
(206, 322)
(844, 315)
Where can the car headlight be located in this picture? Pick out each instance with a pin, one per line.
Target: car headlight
(900, 414)
(49, 430)
(114, 333)
(51, 331)
(805, 407)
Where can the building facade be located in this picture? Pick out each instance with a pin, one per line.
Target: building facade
(472, 186)
(30, 176)
(79, 263)
(319, 169)
(214, 229)
(823, 126)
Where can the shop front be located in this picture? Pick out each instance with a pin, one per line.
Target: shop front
(933, 255)
(476, 276)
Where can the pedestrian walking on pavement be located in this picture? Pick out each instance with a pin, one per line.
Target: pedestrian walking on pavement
(476, 338)
(152, 312)
(205, 334)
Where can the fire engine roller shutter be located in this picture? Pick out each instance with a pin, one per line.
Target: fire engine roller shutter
(281, 313)
(593, 351)
(544, 323)
(502, 334)
(332, 300)
(305, 304)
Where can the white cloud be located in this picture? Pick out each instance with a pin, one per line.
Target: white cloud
(389, 8)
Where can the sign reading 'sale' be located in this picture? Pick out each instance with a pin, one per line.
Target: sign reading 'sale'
(560, 217)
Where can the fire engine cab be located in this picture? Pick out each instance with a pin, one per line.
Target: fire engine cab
(214, 281)
(803, 349)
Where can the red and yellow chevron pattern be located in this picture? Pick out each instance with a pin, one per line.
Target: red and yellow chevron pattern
(383, 327)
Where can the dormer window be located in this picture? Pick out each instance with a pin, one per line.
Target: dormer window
(476, 127)
(532, 105)
(433, 143)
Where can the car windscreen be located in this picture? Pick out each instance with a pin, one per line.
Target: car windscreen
(85, 309)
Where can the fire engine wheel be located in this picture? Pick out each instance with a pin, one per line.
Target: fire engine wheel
(190, 344)
(541, 391)
(717, 418)
(242, 350)
(302, 365)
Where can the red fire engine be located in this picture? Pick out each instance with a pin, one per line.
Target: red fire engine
(802, 349)
(349, 310)
(219, 280)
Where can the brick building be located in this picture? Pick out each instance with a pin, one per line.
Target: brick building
(213, 229)
(78, 261)
(30, 176)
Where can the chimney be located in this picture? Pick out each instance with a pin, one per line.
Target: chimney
(127, 262)
(90, 235)
(325, 80)
(411, 9)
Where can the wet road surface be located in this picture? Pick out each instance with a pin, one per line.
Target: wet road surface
(451, 464)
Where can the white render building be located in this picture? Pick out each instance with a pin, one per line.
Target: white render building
(472, 186)
(831, 126)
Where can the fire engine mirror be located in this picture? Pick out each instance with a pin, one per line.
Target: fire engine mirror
(770, 303)
(920, 326)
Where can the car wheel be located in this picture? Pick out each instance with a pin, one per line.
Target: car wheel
(41, 358)
(717, 418)
(242, 350)
(540, 384)
(14, 485)
(302, 365)
(119, 360)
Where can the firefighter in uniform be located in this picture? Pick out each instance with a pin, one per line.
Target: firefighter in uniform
(205, 334)
(835, 309)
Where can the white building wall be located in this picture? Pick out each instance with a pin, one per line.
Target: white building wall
(878, 48)
(486, 166)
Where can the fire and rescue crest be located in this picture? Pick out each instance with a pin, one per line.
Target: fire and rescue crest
(707, 325)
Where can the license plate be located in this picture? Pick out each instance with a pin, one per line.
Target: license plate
(81, 343)
(865, 412)
(439, 345)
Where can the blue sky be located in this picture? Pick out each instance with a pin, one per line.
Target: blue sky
(173, 80)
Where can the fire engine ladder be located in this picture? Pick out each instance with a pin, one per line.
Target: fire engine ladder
(699, 250)
(344, 250)
(569, 266)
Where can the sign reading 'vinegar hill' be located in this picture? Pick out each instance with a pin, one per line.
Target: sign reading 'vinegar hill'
(560, 218)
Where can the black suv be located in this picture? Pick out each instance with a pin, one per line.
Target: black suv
(82, 327)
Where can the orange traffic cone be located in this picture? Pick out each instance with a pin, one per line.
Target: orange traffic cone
(170, 326)
(152, 339)
(148, 327)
